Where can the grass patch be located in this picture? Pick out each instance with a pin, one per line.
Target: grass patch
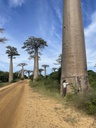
(82, 102)
(2, 84)
(47, 87)
(85, 102)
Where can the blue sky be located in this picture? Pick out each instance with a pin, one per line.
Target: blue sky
(42, 18)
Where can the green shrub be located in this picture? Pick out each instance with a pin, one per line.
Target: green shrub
(22, 78)
(69, 96)
(93, 85)
(85, 102)
(40, 78)
(74, 89)
(46, 86)
(92, 78)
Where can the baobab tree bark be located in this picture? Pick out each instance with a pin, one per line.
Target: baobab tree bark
(45, 66)
(28, 72)
(28, 75)
(36, 65)
(45, 72)
(74, 67)
(22, 73)
(40, 70)
(11, 70)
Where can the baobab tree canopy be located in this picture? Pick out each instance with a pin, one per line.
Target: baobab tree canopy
(12, 51)
(22, 64)
(33, 44)
(45, 65)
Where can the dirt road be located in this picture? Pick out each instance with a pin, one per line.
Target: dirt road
(21, 107)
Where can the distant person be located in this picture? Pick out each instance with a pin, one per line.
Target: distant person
(64, 84)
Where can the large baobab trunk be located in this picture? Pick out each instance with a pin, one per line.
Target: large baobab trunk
(74, 67)
(36, 66)
(28, 74)
(22, 73)
(45, 72)
(11, 70)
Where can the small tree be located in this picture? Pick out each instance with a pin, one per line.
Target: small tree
(28, 71)
(40, 70)
(54, 69)
(33, 46)
(45, 66)
(11, 51)
(22, 70)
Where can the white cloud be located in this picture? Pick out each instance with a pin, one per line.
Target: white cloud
(15, 3)
(2, 21)
(90, 38)
(59, 14)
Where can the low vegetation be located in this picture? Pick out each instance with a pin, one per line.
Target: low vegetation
(50, 86)
(46, 86)
(4, 77)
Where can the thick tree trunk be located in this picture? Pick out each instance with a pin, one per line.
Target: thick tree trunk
(74, 67)
(28, 75)
(36, 66)
(11, 70)
(22, 73)
(45, 72)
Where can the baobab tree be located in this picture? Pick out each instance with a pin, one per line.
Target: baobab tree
(28, 71)
(22, 70)
(33, 46)
(74, 64)
(45, 66)
(54, 69)
(11, 51)
(2, 40)
(40, 70)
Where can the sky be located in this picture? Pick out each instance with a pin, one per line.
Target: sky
(42, 18)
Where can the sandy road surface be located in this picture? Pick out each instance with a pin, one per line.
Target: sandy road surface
(9, 101)
(21, 107)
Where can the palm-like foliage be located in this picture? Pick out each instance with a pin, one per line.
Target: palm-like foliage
(58, 61)
(2, 40)
(33, 46)
(11, 51)
(22, 70)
